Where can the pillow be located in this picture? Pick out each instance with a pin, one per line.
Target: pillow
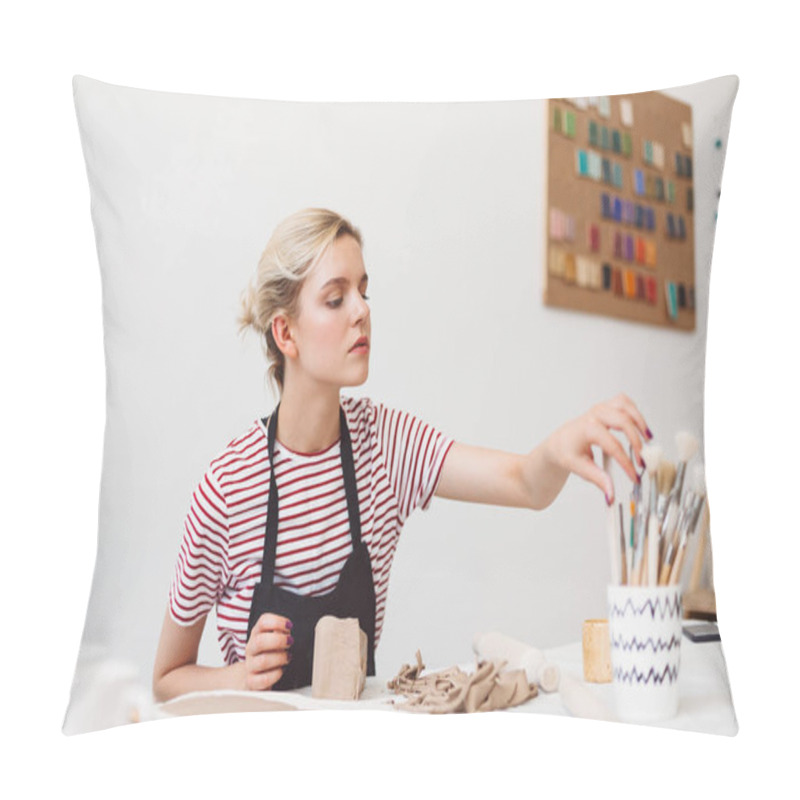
(527, 260)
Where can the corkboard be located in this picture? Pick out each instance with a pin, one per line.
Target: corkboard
(620, 224)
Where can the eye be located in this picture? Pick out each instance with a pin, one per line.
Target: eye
(334, 303)
(365, 296)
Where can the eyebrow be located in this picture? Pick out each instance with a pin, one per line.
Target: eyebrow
(339, 281)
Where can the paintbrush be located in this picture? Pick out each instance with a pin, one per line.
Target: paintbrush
(687, 447)
(611, 527)
(666, 480)
(622, 548)
(642, 515)
(651, 455)
(634, 507)
(673, 528)
(691, 521)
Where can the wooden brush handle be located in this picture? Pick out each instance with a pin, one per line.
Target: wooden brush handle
(702, 543)
(675, 575)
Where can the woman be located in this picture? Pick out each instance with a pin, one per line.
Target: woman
(274, 556)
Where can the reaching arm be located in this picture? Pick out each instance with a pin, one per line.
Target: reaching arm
(534, 480)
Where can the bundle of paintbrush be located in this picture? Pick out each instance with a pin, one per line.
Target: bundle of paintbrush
(651, 549)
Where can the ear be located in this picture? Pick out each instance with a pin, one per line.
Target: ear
(282, 334)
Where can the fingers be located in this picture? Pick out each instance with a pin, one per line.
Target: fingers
(588, 470)
(272, 622)
(267, 652)
(263, 681)
(269, 641)
(603, 438)
(266, 662)
(618, 420)
(624, 403)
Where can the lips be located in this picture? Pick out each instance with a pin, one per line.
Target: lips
(363, 342)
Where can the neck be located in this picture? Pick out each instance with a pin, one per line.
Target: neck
(308, 420)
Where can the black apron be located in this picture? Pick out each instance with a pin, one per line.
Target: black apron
(354, 595)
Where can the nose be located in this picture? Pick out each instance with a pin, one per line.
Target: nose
(361, 308)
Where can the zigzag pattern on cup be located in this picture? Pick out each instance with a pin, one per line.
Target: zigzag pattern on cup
(668, 674)
(655, 645)
(670, 607)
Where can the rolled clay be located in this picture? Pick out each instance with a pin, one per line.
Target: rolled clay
(340, 659)
(581, 701)
(495, 646)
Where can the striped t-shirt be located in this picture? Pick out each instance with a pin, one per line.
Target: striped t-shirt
(398, 460)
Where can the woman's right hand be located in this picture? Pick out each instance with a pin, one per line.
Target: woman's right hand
(267, 652)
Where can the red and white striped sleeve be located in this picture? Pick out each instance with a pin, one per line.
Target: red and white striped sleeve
(414, 454)
(202, 560)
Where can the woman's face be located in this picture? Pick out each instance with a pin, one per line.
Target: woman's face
(332, 327)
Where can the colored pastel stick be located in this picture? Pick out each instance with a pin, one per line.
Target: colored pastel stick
(617, 282)
(629, 248)
(652, 291)
(640, 254)
(627, 145)
(583, 162)
(671, 299)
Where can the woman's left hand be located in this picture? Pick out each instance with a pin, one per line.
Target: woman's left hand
(570, 446)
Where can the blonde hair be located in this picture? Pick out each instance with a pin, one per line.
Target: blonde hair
(296, 245)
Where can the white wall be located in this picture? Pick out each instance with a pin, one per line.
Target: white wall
(451, 201)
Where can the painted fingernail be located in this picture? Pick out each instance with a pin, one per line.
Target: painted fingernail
(290, 641)
(289, 625)
(608, 500)
(649, 433)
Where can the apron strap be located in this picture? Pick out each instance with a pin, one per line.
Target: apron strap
(350, 486)
(350, 489)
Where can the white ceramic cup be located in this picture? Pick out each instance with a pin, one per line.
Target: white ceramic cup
(645, 630)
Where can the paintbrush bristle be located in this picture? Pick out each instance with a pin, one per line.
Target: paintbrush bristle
(666, 476)
(687, 446)
(651, 455)
(699, 479)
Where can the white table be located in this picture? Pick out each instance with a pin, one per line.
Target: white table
(705, 699)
